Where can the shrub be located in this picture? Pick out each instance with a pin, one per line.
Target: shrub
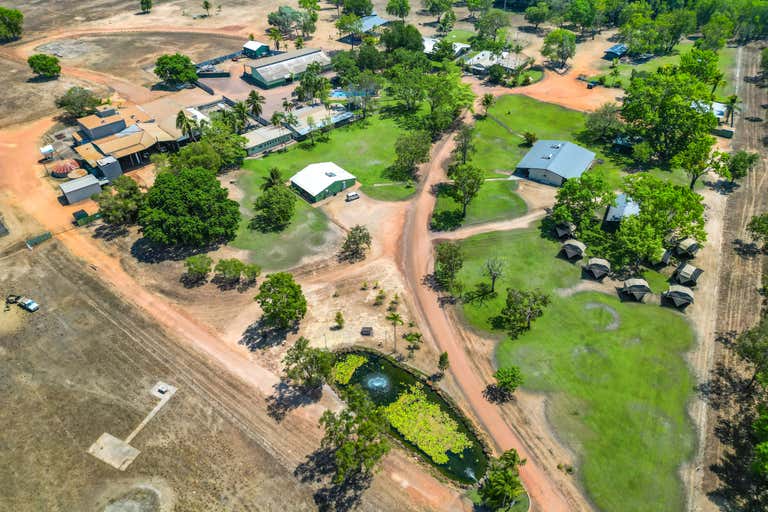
(344, 369)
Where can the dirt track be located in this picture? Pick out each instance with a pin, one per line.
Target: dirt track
(739, 302)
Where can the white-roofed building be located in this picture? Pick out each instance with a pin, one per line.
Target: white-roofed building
(319, 181)
(255, 49)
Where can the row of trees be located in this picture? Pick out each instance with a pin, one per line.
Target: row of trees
(229, 271)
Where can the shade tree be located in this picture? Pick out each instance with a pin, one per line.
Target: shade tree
(282, 300)
(307, 367)
(559, 46)
(175, 69)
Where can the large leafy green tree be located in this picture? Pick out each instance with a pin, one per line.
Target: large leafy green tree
(78, 101)
(446, 95)
(229, 269)
(120, 203)
(274, 208)
(537, 14)
(357, 243)
(358, 7)
(398, 8)
(501, 489)
(281, 300)
(306, 366)
(226, 142)
(490, 22)
(467, 180)
(738, 164)
(285, 19)
(197, 154)
(605, 123)
(559, 46)
(175, 69)
(188, 208)
(508, 379)
(11, 23)
(412, 149)
(356, 436)
(400, 35)
(448, 262)
(697, 158)
(406, 85)
(198, 266)
(668, 110)
(521, 309)
(579, 200)
(44, 65)
(702, 64)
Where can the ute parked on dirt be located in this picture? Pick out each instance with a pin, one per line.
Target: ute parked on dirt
(23, 302)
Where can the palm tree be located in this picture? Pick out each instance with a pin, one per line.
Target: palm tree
(731, 107)
(274, 179)
(185, 125)
(275, 36)
(487, 101)
(277, 120)
(255, 102)
(287, 105)
(207, 7)
(395, 319)
(241, 112)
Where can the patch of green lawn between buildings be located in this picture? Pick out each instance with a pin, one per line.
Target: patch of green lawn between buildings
(365, 148)
(497, 200)
(499, 142)
(618, 384)
(306, 235)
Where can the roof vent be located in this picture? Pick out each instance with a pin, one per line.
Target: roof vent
(330, 174)
(547, 157)
(556, 146)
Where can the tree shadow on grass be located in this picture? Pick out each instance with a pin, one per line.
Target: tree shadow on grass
(287, 398)
(260, 336)
(319, 468)
(108, 232)
(147, 251)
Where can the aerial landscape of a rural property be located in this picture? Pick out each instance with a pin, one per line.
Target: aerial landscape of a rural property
(384, 255)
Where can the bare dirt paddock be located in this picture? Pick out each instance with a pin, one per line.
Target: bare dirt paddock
(84, 365)
(24, 100)
(129, 55)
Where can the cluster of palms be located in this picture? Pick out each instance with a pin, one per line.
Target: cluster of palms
(286, 117)
(236, 118)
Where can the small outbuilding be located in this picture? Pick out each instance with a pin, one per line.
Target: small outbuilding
(573, 249)
(318, 181)
(616, 51)
(597, 268)
(80, 189)
(687, 247)
(623, 206)
(635, 289)
(554, 161)
(565, 230)
(687, 275)
(255, 50)
(679, 296)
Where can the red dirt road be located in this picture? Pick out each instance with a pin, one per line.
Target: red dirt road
(416, 263)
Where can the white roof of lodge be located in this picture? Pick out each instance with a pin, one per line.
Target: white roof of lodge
(253, 45)
(315, 178)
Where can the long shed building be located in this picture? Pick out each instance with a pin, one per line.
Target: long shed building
(285, 67)
(319, 181)
(554, 161)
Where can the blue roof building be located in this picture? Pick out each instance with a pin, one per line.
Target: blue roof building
(554, 161)
(616, 51)
(624, 206)
(372, 22)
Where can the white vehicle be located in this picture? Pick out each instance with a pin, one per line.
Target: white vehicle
(28, 304)
(352, 196)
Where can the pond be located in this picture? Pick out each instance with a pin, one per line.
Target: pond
(384, 382)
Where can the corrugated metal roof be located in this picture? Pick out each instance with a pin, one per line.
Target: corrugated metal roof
(623, 206)
(565, 159)
(315, 178)
(253, 45)
(78, 184)
(279, 67)
(371, 22)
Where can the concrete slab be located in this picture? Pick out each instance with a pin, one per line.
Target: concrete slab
(115, 452)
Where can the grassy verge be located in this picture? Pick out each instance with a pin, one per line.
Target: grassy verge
(619, 385)
(365, 148)
(459, 36)
(497, 200)
(305, 235)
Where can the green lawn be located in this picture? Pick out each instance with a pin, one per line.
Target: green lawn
(727, 65)
(306, 234)
(364, 148)
(618, 395)
(499, 141)
(530, 262)
(459, 36)
(497, 200)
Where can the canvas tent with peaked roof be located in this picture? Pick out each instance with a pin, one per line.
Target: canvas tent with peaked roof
(687, 247)
(598, 268)
(573, 249)
(636, 289)
(687, 275)
(564, 230)
(679, 296)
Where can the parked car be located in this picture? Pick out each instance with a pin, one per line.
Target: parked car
(28, 304)
(352, 196)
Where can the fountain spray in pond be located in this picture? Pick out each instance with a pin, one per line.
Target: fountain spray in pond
(377, 382)
(470, 474)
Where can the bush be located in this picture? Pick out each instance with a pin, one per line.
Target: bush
(198, 266)
(44, 65)
(78, 101)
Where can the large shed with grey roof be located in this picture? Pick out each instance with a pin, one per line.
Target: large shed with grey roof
(554, 161)
(285, 67)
